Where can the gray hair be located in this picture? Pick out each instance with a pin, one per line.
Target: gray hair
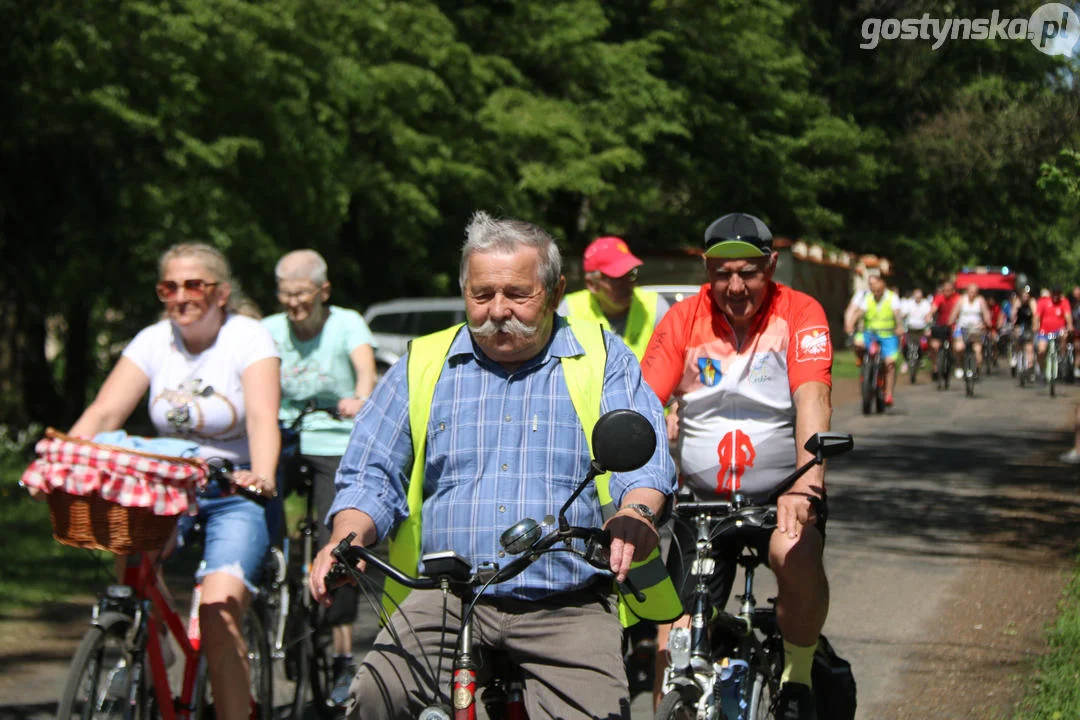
(301, 265)
(486, 234)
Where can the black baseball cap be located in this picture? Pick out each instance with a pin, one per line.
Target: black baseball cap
(738, 235)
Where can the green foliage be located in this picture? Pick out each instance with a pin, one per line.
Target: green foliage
(372, 129)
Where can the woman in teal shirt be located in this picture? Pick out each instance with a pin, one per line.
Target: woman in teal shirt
(327, 353)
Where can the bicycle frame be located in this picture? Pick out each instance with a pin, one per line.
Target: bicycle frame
(141, 577)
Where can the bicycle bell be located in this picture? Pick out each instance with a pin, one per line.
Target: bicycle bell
(520, 536)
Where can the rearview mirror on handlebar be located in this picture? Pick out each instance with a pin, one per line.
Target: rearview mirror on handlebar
(623, 440)
(829, 444)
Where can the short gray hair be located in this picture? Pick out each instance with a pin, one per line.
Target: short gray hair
(486, 234)
(301, 265)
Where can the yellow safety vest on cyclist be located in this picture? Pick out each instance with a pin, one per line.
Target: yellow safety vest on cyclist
(640, 321)
(584, 379)
(879, 317)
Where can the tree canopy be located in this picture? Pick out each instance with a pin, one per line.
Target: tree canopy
(371, 130)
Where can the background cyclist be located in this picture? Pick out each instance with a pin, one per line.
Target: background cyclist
(970, 319)
(944, 303)
(881, 315)
(1023, 327)
(327, 353)
(1052, 316)
(916, 316)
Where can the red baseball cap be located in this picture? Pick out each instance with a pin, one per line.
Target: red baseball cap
(611, 256)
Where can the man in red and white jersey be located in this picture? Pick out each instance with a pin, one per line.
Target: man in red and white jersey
(944, 303)
(1053, 316)
(750, 363)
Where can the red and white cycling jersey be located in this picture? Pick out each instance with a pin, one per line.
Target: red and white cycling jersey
(736, 410)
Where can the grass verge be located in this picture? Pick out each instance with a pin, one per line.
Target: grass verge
(844, 364)
(34, 568)
(1055, 694)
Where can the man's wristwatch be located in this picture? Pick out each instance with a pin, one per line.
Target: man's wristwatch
(643, 510)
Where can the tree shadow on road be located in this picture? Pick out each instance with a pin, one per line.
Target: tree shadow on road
(937, 493)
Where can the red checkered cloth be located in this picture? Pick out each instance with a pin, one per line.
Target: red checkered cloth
(126, 477)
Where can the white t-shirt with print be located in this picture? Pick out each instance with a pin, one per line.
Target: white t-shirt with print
(200, 397)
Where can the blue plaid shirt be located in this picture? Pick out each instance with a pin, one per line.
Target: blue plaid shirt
(501, 447)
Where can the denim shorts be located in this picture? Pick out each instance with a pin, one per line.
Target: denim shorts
(236, 539)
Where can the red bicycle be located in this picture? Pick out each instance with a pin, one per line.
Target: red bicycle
(119, 669)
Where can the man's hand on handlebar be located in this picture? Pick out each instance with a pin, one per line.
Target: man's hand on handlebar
(317, 579)
(632, 538)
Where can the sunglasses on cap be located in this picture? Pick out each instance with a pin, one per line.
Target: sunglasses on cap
(194, 289)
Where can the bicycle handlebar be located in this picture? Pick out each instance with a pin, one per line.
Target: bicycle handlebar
(221, 472)
(310, 407)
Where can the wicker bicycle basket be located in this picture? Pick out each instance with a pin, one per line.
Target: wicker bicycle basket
(92, 522)
(96, 524)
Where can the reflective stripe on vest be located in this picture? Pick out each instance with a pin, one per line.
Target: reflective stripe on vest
(427, 356)
(640, 322)
(879, 318)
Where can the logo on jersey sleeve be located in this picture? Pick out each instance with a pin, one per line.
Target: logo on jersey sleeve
(813, 344)
(735, 453)
(709, 371)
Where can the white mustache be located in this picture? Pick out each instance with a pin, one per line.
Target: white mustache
(513, 326)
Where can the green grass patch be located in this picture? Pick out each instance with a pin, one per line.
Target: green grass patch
(34, 568)
(1055, 694)
(844, 364)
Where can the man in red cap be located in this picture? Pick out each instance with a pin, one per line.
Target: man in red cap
(611, 298)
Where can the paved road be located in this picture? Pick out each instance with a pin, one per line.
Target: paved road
(940, 493)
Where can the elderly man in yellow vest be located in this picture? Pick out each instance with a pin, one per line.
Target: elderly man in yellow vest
(611, 298)
(478, 427)
(881, 314)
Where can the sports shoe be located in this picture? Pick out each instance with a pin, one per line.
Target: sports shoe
(795, 702)
(1071, 458)
(903, 368)
(958, 373)
(344, 672)
(888, 401)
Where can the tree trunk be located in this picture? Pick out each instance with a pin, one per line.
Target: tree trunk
(78, 361)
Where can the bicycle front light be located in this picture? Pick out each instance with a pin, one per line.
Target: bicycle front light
(679, 648)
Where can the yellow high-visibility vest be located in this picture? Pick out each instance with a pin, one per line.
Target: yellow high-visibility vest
(640, 319)
(585, 380)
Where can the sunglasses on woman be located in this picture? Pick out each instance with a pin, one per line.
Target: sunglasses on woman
(194, 289)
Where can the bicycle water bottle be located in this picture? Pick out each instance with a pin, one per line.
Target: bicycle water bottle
(731, 676)
(193, 617)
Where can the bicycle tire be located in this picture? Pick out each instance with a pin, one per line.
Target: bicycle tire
(676, 705)
(970, 368)
(913, 365)
(868, 384)
(104, 676)
(1051, 367)
(315, 671)
(299, 656)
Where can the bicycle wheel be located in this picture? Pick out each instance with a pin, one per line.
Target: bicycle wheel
(763, 684)
(677, 705)
(314, 666)
(869, 383)
(105, 679)
(970, 368)
(914, 358)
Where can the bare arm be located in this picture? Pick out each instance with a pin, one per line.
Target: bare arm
(363, 361)
(813, 414)
(262, 396)
(955, 312)
(987, 321)
(852, 319)
(115, 402)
